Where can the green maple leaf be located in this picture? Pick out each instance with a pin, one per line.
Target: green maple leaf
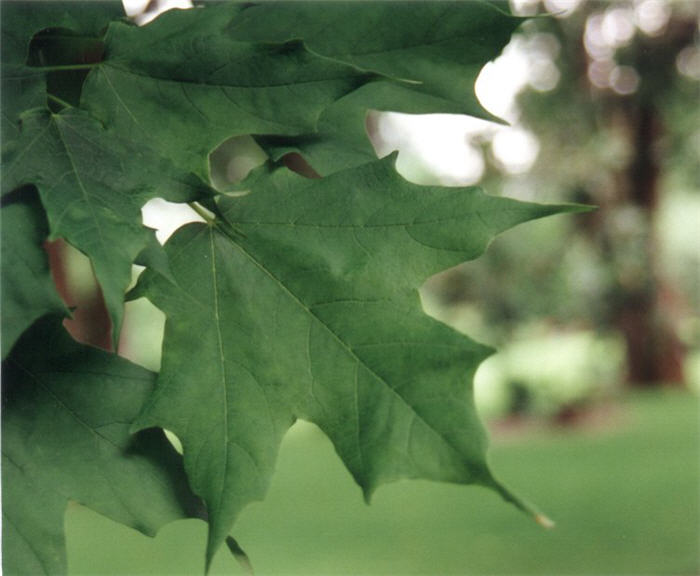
(193, 78)
(65, 436)
(438, 47)
(92, 185)
(184, 85)
(28, 292)
(23, 86)
(341, 141)
(304, 304)
(433, 50)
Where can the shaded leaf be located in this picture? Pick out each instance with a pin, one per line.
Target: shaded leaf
(435, 49)
(305, 305)
(439, 47)
(24, 87)
(193, 78)
(341, 140)
(28, 291)
(65, 436)
(153, 256)
(184, 85)
(92, 186)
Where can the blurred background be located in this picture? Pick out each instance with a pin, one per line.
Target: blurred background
(592, 398)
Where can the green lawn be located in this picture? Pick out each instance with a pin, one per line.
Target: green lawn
(625, 496)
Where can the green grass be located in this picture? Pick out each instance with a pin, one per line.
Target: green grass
(625, 495)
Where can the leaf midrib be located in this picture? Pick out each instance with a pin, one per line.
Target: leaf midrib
(86, 196)
(222, 360)
(62, 403)
(456, 217)
(284, 127)
(208, 83)
(340, 341)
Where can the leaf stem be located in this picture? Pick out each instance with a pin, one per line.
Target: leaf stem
(59, 100)
(221, 225)
(208, 217)
(59, 68)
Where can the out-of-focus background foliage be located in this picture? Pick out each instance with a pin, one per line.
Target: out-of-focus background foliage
(608, 116)
(592, 397)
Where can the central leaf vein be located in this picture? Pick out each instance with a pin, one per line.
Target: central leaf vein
(222, 360)
(349, 350)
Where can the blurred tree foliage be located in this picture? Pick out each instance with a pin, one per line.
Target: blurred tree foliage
(615, 110)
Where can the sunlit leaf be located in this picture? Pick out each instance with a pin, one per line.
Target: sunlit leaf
(305, 305)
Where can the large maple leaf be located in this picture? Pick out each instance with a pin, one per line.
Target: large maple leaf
(304, 303)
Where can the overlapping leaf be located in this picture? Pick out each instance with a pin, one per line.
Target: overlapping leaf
(301, 302)
(184, 85)
(92, 186)
(439, 47)
(24, 87)
(305, 304)
(65, 436)
(436, 49)
(340, 140)
(192, 79)
(28, 290)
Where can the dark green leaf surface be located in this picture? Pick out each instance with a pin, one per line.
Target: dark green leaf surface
(193, 78)
(305, 304)
(435, 49)
(300, 300)
(24, 87)
(28, 290)
(439, 47)
(183, 85)
(65, 436)
(341, 141)
(92, 186)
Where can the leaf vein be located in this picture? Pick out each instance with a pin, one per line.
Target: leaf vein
(342, 343)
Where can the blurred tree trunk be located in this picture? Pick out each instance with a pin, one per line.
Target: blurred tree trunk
(90, 323)
(654, 351)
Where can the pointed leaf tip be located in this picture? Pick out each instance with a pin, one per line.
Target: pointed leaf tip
(322, 253)
(544, 521)
(240, 555)
(575, 208)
